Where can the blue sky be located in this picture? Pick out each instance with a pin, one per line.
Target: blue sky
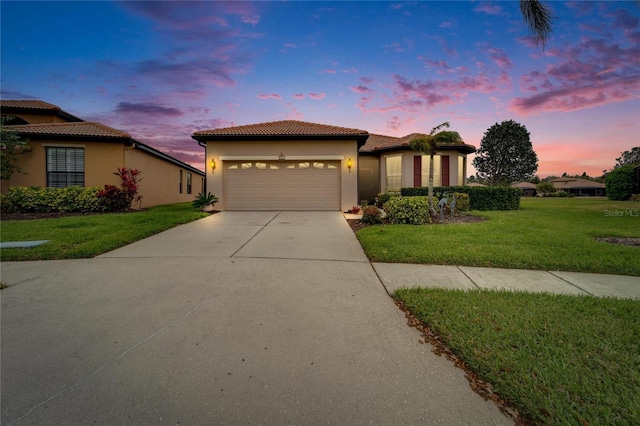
(162, 70)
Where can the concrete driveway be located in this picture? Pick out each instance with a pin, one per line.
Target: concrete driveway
(240, 318)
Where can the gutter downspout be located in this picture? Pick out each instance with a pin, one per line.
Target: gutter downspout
(204, 190)
(124, 152)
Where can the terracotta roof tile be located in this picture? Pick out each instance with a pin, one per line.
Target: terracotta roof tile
(79, 129)
(381, 143)
(283, 128)
(28, 104)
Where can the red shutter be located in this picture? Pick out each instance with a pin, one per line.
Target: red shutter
(417, 171)
(444, 166)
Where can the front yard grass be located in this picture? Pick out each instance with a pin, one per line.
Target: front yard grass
(557, 359)
(76, 237)
(545, 234)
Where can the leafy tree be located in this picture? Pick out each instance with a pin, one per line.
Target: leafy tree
(546, 188)
(12, 146)
(628, 157)
(428, 145)
(506, 154)
(623, 182)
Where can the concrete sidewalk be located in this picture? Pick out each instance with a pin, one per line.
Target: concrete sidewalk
(239, 318)
(397, 275)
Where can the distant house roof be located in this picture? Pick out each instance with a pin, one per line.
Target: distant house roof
(524, 185)
(9, 106)
(377, 143)
(575, 183)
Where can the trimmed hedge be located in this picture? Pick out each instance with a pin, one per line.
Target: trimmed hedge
(622, 182)
(480, 197)
(33, 199)
(408, 210)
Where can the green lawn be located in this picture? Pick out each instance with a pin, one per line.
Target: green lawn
(88, 236)
(546, 234)
(557, 359)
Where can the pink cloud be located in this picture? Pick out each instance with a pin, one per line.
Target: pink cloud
(361, 89)
(317, 96)
(330, 71)
(270, 96)
(298, 96)
(488, 8)
(588, 74)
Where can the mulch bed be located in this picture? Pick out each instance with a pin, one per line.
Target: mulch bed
(635, 242)
(356, 224)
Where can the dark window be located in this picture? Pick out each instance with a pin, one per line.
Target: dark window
(180, 181)
(65, 167)
(188, 183)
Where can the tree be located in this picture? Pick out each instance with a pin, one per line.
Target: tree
(628, 157)
(428, 145)
(506, 154)
(12, 146)
(538, 17)
(623, 182)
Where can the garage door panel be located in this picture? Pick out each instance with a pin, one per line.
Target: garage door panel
(282, 185)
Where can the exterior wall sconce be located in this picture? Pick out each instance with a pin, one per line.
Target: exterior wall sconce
(213, 165)
(349, 164)
(281, 157)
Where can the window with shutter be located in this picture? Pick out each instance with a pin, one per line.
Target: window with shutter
(65, 167)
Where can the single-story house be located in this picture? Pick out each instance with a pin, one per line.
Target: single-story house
(580, 187)
(528, 189)
(295, 165)
(67, 151)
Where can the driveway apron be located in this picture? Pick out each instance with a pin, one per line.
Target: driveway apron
(239, 318)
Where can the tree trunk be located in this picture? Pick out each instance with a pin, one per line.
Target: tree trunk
(432, 211)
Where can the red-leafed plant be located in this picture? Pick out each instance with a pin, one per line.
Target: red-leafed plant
(120, 199)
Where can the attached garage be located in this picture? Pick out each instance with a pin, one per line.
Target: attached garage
(283, 165)
(281, 185)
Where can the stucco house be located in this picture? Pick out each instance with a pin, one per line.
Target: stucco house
(295, 165)
(68, 151)
(528, 189)
(580, 187)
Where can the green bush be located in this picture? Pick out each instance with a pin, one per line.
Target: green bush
(371, 215)
(383, 197)
(622, 182)
(462, 203)
(408, 210)
(480, 197)
(33, 199)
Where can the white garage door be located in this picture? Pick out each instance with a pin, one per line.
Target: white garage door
(282, 185)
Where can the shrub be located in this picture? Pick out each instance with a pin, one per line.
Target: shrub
(117, 199)
(480, 197)
(622, 182)
(462, 203)
(203, 200)
(408, 210)
(371, 215)
(546, 188)
(33, 199)
(383, 197)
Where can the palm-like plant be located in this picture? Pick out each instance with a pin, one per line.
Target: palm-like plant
(428, 145)
(538, 17)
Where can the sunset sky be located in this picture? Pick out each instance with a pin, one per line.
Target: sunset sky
(162, 70)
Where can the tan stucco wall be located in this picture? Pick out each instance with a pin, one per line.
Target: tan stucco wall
(160, 178)
(322, 149)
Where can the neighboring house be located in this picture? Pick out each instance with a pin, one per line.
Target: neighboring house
(580, 187)
(67, 151)
(294, 165)
(528, 189)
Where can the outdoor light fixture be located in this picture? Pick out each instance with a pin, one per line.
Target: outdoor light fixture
(349, 164)
(213, 165)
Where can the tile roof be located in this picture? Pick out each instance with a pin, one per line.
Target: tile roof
(383, 143)
(571, 183)
(28, 104)
(79, 129)
(282, 128)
